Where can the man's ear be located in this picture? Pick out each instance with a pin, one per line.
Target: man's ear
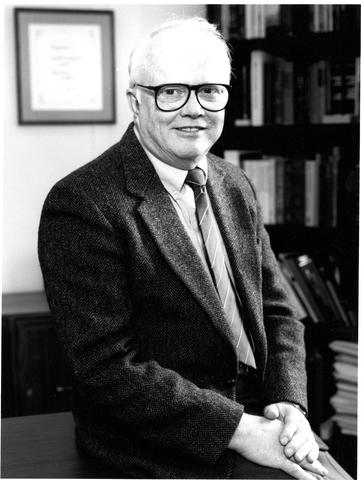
(133, 101)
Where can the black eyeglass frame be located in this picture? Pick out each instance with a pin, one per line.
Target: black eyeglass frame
(196, 88)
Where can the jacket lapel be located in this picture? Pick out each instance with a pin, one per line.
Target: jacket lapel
(239, 237)
(168, 233)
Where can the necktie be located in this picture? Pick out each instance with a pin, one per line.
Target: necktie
(196, 180)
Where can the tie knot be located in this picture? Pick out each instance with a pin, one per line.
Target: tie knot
(195, 178)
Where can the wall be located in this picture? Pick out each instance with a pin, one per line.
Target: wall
(37, 156)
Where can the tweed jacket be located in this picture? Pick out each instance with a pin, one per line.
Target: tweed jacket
(144, 334)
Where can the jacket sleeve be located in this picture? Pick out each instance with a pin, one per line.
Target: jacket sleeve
(285, 376)
(84, 264)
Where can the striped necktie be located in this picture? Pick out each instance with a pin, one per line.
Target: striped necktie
(196, 180)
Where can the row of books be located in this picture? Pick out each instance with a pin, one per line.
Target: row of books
(344, 401)
(296, 191)
(271, 90)
(260, 21)
(314, 289)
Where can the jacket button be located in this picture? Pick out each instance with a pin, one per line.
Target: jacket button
(230, 382)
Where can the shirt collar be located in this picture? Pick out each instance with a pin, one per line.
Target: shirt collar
(171, 177)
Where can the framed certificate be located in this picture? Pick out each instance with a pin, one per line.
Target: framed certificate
(65, 66)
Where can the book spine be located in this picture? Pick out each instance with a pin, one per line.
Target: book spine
(258, 59)
(257, 171)
(280, 190)
(326, 193)
(271, 189)
(312, 192)
(237, 21)
(277, 91)
(311, 304)
(241, 96)
(225, 21)
(288, 93)
(268, 95)
(294, 298)
(249, 21)
(301, 91)
(232, 156)
(296, 191)
(340, 89)
(318, 287)
(332, 290)
(357, 88)
(334, 161)
(301, 292)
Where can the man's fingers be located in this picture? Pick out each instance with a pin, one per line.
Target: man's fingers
(298, 472)
(307, 449)
(314, 467)
(271, 412)
(287, 433)
(294, 445)
(313, 454)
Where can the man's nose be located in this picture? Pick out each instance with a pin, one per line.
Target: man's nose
(192, 108)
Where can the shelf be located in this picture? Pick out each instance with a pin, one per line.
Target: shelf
(297, 237)
(309, 46)
(290, 139)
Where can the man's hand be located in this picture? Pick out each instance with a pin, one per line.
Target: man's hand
(257, 439)
(296, 435)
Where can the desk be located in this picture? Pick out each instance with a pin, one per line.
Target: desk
(43, 446)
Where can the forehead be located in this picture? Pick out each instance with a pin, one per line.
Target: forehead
(186, 57)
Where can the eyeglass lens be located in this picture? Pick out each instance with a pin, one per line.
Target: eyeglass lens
(211, 97)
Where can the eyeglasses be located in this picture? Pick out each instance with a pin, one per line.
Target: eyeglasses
(173, 96)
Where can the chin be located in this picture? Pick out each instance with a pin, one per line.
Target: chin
(192, 154)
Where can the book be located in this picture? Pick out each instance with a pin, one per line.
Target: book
(357, 88)
(326, 192)
(287, 92)
(317, 91)
(344, 346)
(332, 287)
(267, 173)
(241, 105)
(258, 172)
(232, 156)
(236, 157)
(259, 59)
(295, 191)
(344, 401)
(312, 192)
(318, 287)
(301, 92)
(345, 371)
(250, 21)
(334, 160)
(340, 91)
(277, 168)
(236, 28)
(272, 19)
(290, 259)
(293, 295)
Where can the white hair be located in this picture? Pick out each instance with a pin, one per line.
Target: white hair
(187, 25)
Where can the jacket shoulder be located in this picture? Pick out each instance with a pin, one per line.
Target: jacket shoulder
(233, 176)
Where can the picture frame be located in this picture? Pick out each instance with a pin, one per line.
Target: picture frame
(65, 66)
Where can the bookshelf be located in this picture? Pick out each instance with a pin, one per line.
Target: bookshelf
(295, 95)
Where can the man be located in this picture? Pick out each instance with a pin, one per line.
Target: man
(172, 359)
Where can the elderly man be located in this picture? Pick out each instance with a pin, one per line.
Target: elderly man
(165, 291)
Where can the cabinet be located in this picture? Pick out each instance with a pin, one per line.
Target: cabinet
(34, 375)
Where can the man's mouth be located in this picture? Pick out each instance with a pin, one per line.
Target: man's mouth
(190, 129)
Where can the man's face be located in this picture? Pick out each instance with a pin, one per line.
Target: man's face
(181, 138)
